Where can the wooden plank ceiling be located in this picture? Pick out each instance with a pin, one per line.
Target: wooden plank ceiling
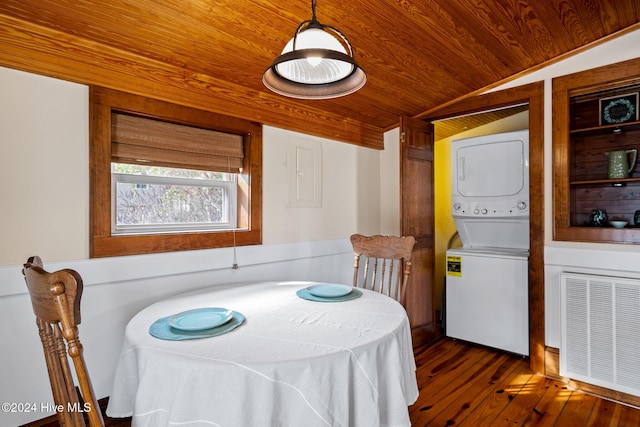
(446, 128)
(417, 54)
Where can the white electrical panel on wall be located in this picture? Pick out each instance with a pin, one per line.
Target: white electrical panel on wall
(304, 173)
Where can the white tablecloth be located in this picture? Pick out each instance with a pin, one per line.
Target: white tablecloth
(292, 363)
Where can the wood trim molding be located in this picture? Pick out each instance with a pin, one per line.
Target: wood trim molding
(594, 80)
(533, 94)
(33, 48)
(102, 243)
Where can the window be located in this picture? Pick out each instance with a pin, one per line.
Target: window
(149, 199)
(166, 177)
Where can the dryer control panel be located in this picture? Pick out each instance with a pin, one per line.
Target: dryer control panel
(463, 207)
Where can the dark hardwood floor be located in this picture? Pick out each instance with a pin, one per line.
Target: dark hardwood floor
(472, 386)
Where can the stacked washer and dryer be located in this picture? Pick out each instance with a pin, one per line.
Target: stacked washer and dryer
(486, 295)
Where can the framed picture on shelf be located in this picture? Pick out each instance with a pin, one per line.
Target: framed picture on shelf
(619, 109)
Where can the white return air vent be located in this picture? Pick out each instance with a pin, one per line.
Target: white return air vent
(601, 331)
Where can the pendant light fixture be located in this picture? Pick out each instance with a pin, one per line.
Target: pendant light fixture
(317, 63)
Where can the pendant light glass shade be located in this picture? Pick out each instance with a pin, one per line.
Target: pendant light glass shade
(314, 69)
(317, 63)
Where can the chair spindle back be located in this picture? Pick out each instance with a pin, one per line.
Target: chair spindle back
(387, 264)
(55, 298)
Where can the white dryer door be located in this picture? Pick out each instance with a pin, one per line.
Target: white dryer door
(494, 169)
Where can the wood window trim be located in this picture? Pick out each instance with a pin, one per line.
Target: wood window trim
(103, 102)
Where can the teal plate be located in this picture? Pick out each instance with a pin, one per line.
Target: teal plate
(162, 330)
(200, 318)
(329, 290)
(305, 294)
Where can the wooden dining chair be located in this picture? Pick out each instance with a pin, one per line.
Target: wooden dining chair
(387, 264)
(55, 298)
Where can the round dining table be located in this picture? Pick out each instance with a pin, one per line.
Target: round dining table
(286, 358)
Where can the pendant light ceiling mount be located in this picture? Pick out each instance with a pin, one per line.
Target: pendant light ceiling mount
(317, 63)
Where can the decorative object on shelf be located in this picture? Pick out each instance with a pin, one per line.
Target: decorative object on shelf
(636, 218)
(619, 109)
(317, 63)
(599, 217)
(619, 163)
(618, 224)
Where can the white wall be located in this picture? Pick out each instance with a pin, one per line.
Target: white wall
(390, 184)
(598, 258)
(44, 210)
(44, 168)
(350, 185)
(44, 155)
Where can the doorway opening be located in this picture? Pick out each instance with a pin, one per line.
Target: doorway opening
(500, 120)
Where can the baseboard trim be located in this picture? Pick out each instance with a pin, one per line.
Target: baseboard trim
(425, 334)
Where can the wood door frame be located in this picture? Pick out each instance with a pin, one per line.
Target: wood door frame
(532, 94)
(417, 220)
